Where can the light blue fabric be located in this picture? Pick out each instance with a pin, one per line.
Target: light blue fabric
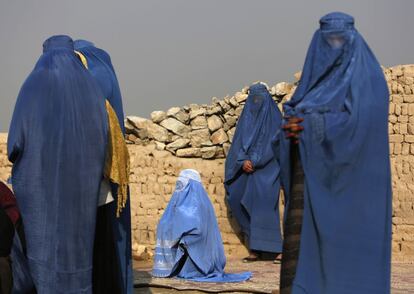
(100, 66)
(189, 243)
(343, 97)
(57, 142)
(254, 198)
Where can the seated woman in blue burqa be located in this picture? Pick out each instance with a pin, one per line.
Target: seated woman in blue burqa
(189, 244)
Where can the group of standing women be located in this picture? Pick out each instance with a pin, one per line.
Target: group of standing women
(331, 158)
(328, 152)
(70, 168)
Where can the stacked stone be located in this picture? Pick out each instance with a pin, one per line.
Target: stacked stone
(204, 131)
(5, 166)
(401, 130)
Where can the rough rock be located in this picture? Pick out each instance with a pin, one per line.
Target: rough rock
(230, 120)
(214, 123)
(213, 110)
(179, 114)
(138, 122)
(298, 75)
(188, 152)
(157, 132)
(240, 97)
(226, 107)
(219, 137)
(209, 152)
(282, 88)
(288, 96)
(199, 122)
(175, 126)
(230, 134)
(158, 116)
(233, 102)
(178, 144)
(239, 110)
(159, 145)
(197, 112)
(226, 148)
(200, 138)
(129, 128)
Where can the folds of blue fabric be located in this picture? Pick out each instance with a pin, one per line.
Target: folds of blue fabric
(254, 203)
(253, 198)
(22, 278)
(345, 240)
(57, 142)
(101, 68)
(121, 228)
(346, 233)
(189, 243)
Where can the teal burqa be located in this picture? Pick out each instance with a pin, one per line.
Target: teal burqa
(342, 96)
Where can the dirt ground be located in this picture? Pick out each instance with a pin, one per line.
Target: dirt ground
(265, 279)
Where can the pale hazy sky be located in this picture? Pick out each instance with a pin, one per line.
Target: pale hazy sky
(174, 52)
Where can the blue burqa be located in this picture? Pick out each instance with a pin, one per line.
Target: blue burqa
(254, 198)
(343, 97)
(189, 244)
(57, 142)
(100, 66)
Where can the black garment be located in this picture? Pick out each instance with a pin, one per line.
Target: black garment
(6, 277)
(6, 241)
(105, 261)
(293, 225)
(6, 234)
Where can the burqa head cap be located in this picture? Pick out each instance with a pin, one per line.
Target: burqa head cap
(79, 44)
(337, 21)
(58, 42)
(185, 176)
(257, 88)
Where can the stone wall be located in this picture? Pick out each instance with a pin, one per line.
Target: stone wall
(204, 131)
(184, 138)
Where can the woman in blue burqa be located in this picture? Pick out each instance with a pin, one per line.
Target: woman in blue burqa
(60, 146)
(113, 226)
(335, 169)
(189, 244)
(252, 174)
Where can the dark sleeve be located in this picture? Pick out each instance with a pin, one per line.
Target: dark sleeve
(8, 203)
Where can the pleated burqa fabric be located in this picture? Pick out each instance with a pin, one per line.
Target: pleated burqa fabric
(189, 243)
(254, 198)
(345, 244)
(100, 65)
(57, 142)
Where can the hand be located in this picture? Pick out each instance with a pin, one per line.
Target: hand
(293, 128)
(248, 166)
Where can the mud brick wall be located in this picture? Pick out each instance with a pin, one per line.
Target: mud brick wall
(401, 129)
(153, 178)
